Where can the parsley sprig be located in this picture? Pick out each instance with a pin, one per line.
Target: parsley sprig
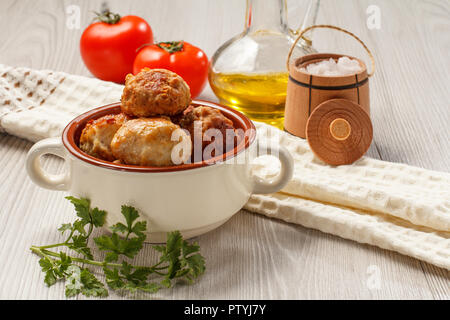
(179, 260)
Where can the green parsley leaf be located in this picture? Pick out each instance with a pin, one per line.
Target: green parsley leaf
(150, 287)
(129, 247)
(116, 246)
(50, 278)
(179, 259)
(78, 226)
(196, 265)
(84, 251)
(111, 257)
(45, 264)
(189, 248)
(130, 215)
(113, 278)
(166, 283)
(82, 208)
(91, 286)
(98, 217)
(64, 262)
(73, 281)
(119, 227)
(64, 227)
(79, 241)
(139, 228)
(159, 248)
(81, 280)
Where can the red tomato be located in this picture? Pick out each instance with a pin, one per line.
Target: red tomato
(181, 57)
(109, 47)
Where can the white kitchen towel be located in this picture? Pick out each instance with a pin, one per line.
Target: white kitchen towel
(38, 104)
(392, 206)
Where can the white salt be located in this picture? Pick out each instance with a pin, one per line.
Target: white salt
(344, 66)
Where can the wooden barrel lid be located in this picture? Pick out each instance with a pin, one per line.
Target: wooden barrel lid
(339, 131)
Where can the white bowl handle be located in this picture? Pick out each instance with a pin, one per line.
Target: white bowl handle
(287, 170)
(37, 174)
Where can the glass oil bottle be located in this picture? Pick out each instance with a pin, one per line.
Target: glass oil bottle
(248, 72)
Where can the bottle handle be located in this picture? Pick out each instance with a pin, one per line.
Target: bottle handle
(300, 35)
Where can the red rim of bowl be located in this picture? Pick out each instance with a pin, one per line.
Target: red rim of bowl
(72, 132)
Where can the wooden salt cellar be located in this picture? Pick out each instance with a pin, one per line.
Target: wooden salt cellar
(305, 91)
(339, 131)
(331, 112)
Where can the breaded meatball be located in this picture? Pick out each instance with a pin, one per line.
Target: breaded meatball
(155, 92)
(148, 142)
(208, 118)
(96, 136)
(179, 116)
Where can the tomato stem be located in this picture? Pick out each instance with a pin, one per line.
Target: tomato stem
(107, 17)
(171, 46)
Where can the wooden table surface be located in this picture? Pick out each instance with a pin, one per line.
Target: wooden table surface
(250, 257)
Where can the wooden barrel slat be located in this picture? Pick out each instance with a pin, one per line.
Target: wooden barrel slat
(302, 99)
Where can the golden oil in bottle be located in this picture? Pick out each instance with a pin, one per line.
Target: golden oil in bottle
(259, 96)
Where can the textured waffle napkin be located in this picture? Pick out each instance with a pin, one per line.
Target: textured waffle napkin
(392, 206)
(38, 104)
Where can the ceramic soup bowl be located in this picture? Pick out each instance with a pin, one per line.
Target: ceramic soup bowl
(192, 198)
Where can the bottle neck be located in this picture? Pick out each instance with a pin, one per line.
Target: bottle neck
(268, 15)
